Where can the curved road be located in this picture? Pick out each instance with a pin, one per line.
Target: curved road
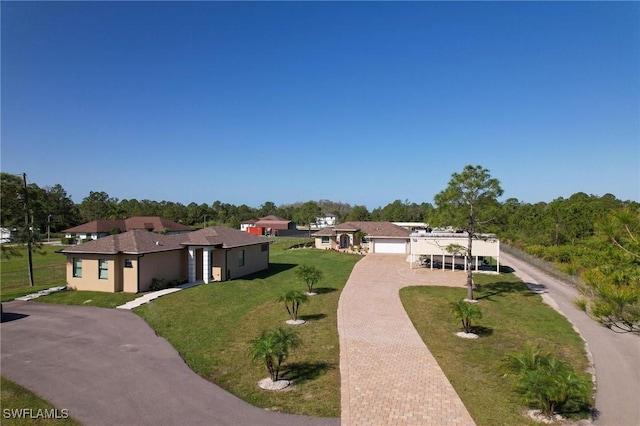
(107, 367)
(616, 356)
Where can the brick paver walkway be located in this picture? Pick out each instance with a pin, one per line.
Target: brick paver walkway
(388, 376)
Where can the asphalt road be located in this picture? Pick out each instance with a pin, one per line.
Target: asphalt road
(616, 356)
(107, 367)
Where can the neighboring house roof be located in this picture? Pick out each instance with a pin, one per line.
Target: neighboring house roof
(140, 241)
(137, 241)
(273, 217)
(150, 223)
(273, 222)
(222, 236)
(324, 214)
(250, 221)
(372, 229)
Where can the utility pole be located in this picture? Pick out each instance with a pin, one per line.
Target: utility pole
(28, 230)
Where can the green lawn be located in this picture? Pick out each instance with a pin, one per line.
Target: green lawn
(512, 316)
(16, 399)
(88, 298)
(211, 326)
(48, 271)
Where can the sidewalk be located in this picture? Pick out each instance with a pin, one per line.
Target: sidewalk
(148, 297)
(388, 375)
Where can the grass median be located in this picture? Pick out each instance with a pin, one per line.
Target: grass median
(512, 316)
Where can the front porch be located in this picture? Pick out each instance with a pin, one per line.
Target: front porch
(206, 264)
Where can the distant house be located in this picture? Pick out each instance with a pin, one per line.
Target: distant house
(326, 219)
(129, 262)
(244, 225)
(272, 224)
(101, 228)
(5, 235)
(377, 237)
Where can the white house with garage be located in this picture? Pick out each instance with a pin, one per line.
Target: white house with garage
(448, 250)
(376, 237)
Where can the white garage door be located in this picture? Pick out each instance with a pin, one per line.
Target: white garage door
(390, 246)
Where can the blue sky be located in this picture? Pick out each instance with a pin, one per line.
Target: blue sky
(359, 102)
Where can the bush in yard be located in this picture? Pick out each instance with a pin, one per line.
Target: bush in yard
(272, 348)
(310, 275)
(292, 300)
(465, 312)
(158, 284)
(547, 383)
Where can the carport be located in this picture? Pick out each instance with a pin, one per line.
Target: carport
(448, 249)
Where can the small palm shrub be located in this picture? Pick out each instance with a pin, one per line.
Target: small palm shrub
(272, 348)
(547, 383)
(310, 275)
(465, 312)
(292, 300)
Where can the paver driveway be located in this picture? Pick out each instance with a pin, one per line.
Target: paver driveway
(388, 375)
(107, 367)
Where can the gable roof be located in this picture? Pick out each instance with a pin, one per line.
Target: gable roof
(138, 241)
(222, 236)
(151, 223)
(372, 229)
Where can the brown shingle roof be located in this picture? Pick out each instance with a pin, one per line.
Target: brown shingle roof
(222, 236)
(273, 217)
(273, 222)
(132, 242)
(152, 223)
(372, 229)
(140, 241)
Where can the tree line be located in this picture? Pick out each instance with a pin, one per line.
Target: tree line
(563, 221)
(594, 237)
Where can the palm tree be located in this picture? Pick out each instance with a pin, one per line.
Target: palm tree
(310, 275)
(546, 382)
(273, 348)
(292, 301)
(465, 312)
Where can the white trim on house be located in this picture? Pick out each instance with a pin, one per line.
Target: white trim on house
(433, 245)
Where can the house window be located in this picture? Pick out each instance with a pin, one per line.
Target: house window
(241, 258)
(103, 269)
(264, 247)
(325, 240)
(77, 267)
(128, 263)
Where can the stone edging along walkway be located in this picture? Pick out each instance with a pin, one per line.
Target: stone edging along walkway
(388, 376)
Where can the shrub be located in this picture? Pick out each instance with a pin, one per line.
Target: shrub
(292, 300)
(272, 348)
(547, 383)
(465, 312)
(310, 275)
(162, 283)
(158, 284)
